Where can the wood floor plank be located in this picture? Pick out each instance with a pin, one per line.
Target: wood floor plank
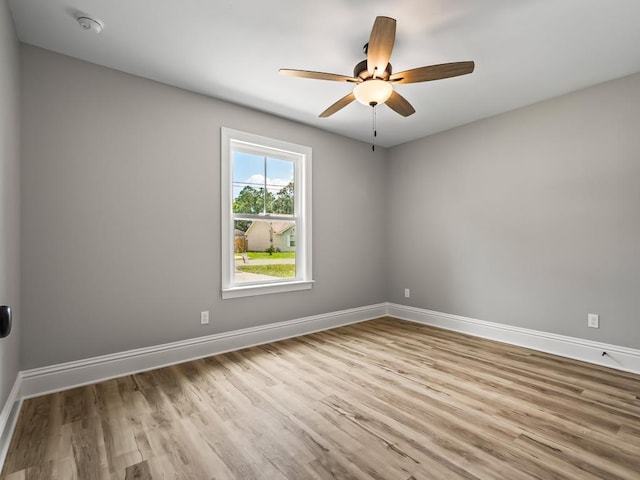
(138, 471)
(384, 399)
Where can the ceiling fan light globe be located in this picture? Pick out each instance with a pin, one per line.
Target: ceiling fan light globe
(373, 92)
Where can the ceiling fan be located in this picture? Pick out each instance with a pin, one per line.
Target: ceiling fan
(374, 78)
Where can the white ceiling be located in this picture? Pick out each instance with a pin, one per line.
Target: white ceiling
(525, 51)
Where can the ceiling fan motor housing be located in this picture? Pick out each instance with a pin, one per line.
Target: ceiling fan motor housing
(360, 71)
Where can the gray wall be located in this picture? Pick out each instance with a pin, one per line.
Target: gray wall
(9, 197)
(121, 214)
(530, 219)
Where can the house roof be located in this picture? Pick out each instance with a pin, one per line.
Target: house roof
(278, 227)
(281, 227)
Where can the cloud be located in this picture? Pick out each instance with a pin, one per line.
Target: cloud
(272, 183)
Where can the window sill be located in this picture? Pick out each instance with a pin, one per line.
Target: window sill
(252, 290)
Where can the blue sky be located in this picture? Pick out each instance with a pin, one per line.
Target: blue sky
(248, 168)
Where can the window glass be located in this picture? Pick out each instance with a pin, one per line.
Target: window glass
(264, 254)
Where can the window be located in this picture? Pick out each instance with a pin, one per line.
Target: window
(266, 215)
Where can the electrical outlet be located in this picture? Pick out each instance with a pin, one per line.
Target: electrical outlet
(204, 317)
(407, 293)
(593, 320)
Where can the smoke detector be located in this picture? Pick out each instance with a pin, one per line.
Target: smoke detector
(90, 24)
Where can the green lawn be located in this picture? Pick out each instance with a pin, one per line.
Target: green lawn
(275, 255)
(284, 270)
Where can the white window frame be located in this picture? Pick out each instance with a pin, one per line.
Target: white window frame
(301, 156)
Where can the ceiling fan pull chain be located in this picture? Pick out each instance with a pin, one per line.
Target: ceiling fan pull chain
(375, 126)
(375, 130)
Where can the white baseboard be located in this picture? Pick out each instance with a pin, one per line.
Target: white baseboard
(621, 358)
(9, 417)
(40, 381)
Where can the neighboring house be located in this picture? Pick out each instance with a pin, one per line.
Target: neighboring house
(260, 235)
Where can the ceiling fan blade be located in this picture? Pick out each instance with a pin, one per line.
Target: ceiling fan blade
(432, 72)
(383, 35)
(400, 105)
(317, 75)
(339, 105)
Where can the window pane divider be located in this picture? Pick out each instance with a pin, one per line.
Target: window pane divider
(259, 216)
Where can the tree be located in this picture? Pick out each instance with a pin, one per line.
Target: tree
(284, 201)
(248, 201)
(252, 201)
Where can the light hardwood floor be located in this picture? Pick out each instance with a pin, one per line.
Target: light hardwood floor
(383, 399)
